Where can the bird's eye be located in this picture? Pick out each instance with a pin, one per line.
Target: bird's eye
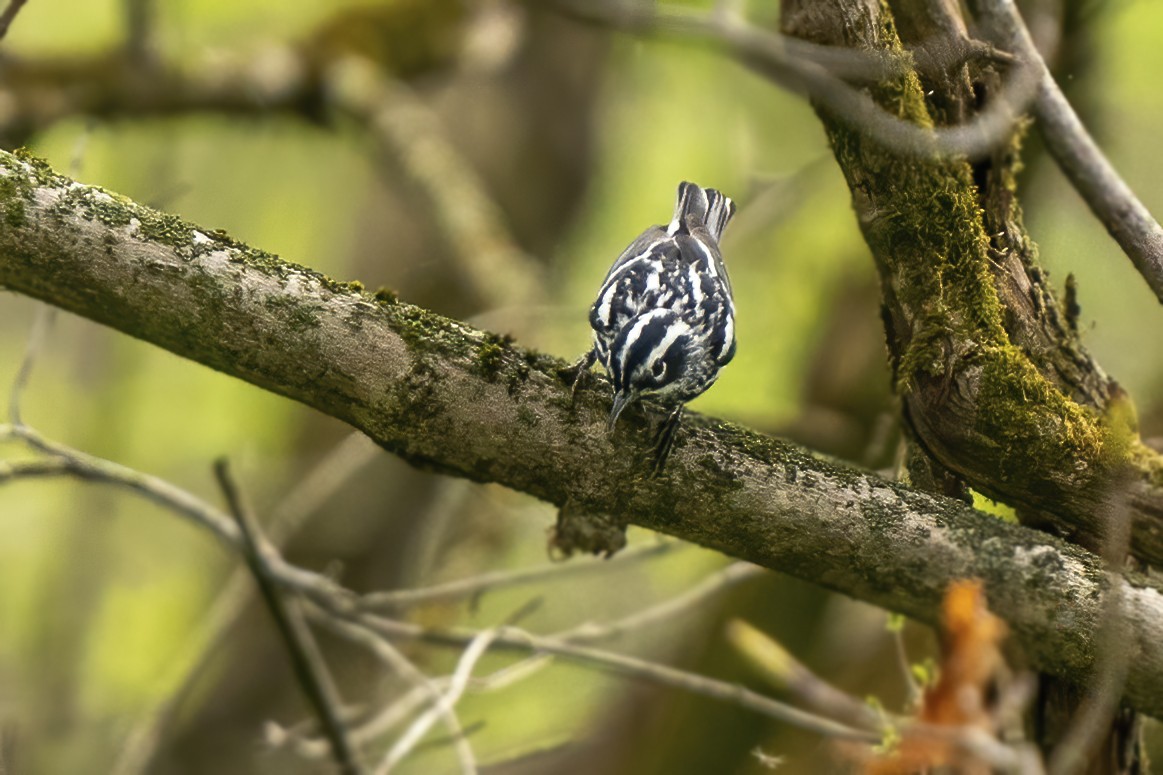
(659, 369)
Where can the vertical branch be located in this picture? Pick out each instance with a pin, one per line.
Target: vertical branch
(41, 325)
(305, 658)
(9, 15)
(1106, 194)
(139, 31)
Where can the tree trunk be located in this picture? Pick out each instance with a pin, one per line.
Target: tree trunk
(995, 384)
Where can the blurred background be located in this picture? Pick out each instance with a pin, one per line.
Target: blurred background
(478, 147)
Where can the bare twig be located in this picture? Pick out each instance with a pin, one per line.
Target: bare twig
(303, 499)
(326, 478)
(41, 325)
(714, 584)
(1092, 721)
(725, 28)
(32, 469)
(406, 130)
(896, 629)
(1084, 164)
(73, 462)
(9, 15)
(139, 26)
(786, 672)
(820, 72)
(514, 639)
(306, 660)
(458, 683)
(425, 689)
(476, 586)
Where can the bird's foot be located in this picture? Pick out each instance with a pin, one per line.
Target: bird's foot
(575, 371)
(664, 441)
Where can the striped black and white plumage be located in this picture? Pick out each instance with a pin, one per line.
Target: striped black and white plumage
(664, 319)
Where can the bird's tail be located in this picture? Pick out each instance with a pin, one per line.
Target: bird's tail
(697, 206)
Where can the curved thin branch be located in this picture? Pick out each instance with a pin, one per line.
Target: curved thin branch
(450, 398)
(1083, 162)
(9, 15)
(820, 71)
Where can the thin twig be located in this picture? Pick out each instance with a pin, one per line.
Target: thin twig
(786, 672)
(406, 130)
(379, 723)
(1079, 157)
(514, 639)
(459, 682)
(477, 586)
(725, 28)
(139, 28)
(425, 688)
(33, 469)
(1092, 720)
(41, 325)
(896, 631)
(794, 66)
(302, 500)
(85, 466)
(714, 584)
(9, 15)
(306, 660)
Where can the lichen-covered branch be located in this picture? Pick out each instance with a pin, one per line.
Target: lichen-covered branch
(447, 397)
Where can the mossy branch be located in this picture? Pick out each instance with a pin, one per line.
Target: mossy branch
(995, 383)
(468, 403)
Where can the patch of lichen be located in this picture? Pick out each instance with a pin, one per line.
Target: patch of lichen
(12, 201)
(15, 191)
(491, 356)
(39, 169)
(165, 228)
(295, 313)
(423, 331)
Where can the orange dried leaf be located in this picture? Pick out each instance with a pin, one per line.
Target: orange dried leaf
(970, 659)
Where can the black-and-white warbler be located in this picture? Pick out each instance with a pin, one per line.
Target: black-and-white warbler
(664, 320)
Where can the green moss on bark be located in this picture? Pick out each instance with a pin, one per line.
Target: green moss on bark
(968, 347)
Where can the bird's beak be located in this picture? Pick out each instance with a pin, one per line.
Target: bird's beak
(620, 401)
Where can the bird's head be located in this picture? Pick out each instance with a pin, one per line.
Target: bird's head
(649, 357)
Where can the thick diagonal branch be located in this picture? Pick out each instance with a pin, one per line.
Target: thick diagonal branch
(447, 397)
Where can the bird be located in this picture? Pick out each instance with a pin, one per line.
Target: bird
(664, 319)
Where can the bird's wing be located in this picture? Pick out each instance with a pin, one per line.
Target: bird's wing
(638, 248)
